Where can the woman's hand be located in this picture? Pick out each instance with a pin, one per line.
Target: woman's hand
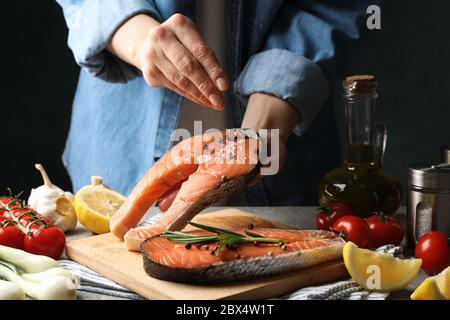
(172, 55)
(268, 112)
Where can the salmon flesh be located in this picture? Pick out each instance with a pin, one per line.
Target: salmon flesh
(167, 260)
(209, 167)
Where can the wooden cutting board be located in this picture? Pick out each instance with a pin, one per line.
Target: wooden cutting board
(107, 255)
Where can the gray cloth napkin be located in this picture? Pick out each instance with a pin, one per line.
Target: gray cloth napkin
(91, 281)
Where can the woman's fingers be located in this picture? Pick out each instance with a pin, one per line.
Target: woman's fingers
(169, 85)
(179, 81)
(156, 78)
(191, 69)
(176, 52)
(191, 39)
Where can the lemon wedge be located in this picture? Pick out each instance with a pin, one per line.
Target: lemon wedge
(95, 204)
(434, 288)
(379, 272)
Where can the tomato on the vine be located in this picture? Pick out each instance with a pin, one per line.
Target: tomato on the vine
(11, 202)
(434, 251)
(354, 229)
(47, 241)
(11, 235)
(384, 230)
(24, 215)
(327, 216)
(23, 228)
(6, 200)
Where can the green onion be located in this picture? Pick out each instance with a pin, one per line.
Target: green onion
(28, 262)
(40, 277)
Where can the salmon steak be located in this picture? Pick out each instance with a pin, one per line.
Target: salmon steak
(201, 171)
(206, 168)
(167, 260)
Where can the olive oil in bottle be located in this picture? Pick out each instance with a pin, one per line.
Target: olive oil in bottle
(361, 182)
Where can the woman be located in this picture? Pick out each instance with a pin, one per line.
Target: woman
(151, 66)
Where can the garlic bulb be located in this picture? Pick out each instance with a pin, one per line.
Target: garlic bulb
(52, 202)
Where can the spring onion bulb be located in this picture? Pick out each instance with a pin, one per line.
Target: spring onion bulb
(56, 284)
(30, 263)
(11, 291)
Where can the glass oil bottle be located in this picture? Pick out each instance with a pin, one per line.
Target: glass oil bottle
(361, 182)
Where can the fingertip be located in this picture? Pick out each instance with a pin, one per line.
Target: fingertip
(222, 84)
(216, 100)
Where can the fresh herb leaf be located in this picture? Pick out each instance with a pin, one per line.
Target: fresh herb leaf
(251, 234)
(223, 238)
(214, 229)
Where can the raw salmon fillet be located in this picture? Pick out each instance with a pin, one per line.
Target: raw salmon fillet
(210, 167)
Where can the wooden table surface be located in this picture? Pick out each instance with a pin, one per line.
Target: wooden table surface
(299, 217)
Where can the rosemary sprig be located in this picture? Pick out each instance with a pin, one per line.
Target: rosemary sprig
(251, 234)
(214, 229)
(223, 238)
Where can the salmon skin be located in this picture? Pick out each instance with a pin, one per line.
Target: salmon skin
(211, 167)
(167, 260)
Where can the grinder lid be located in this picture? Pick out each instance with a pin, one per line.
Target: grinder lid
(430, 176)
(446, 154)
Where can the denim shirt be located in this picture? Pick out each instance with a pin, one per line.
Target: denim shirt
(120, 125)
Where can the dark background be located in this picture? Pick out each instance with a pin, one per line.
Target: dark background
(409, 56)
(37, 93)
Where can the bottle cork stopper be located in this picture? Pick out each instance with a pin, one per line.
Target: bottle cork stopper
(360, 84)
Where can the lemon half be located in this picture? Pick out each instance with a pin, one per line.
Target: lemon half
(434, 288)
(379, 272)
(95, 204)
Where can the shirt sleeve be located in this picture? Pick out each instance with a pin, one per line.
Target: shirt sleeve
(92, 23)
(300, 44)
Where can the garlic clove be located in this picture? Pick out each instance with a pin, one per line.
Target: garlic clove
(69, 196)
(64, 207)
(52, 202)
(66, 210)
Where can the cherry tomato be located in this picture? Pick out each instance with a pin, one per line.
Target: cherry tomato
(3, 213)
(434, 251)
(11, 236)
(26, 215)
(354, 229)
(11, 202)
(341, 207)
(326, 217)
(384, 230)
(322, 222)
(5, 200)
(47, 241)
